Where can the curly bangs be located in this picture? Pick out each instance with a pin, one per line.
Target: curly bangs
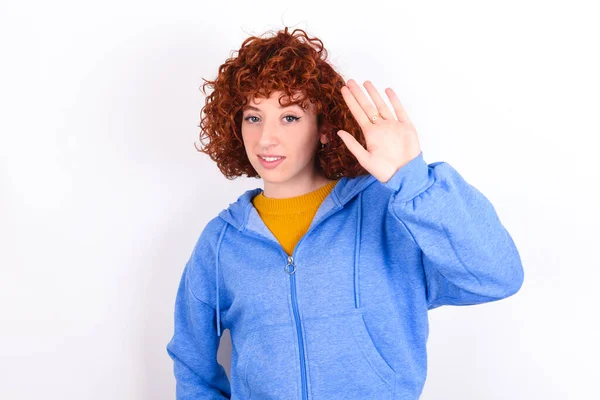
(296, 65)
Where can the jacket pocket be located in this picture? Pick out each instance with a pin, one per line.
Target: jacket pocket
(269, 364)
(343, 361)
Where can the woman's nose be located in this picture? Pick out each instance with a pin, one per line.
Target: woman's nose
(268, 135)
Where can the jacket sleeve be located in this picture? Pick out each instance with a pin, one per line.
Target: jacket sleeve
(467, 255)
(193, 347)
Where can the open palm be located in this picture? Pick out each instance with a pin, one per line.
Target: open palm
(391, 141)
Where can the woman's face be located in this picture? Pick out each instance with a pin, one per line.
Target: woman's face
(288, 133)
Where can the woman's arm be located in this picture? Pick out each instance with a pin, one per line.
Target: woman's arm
(193, 347)
(467, 254)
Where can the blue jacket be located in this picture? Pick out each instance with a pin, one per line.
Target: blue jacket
(346, 315)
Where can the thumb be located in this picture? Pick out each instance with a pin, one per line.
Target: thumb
(362, 155)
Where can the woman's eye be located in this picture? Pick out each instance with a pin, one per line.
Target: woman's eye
(291, 116)
(251, 116)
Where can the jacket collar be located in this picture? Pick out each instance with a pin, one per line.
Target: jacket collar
(242, 215)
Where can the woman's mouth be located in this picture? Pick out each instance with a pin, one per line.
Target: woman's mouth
(270, 162)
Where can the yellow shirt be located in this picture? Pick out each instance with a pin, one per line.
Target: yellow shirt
(288, 219)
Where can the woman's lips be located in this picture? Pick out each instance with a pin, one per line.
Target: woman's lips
(270, 164)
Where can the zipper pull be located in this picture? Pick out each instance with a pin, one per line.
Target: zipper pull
(290, 261)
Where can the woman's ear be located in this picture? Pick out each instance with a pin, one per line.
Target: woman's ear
(322, 136)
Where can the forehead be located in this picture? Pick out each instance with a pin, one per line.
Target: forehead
(274, 100)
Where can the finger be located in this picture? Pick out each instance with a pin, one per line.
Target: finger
(362, 155)
(400, 112)
(366, 105)
(354, 107)
(385, 112)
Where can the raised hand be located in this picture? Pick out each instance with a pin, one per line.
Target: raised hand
(391, 143)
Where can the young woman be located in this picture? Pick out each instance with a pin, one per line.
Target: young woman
(325, 276)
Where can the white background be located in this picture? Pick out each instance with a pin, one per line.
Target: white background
(103, 195)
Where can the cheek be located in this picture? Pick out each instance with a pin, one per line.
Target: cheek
(248, 145)
(308, 149)
(247, 138)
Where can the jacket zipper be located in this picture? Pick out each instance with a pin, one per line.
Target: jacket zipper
(292, 273)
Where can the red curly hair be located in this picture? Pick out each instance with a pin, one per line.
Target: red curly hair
(295, 65)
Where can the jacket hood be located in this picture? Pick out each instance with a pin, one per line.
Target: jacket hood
(242, 215)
